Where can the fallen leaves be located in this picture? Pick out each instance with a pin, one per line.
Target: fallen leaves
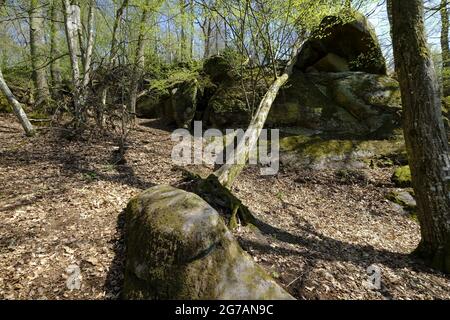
(61, 203)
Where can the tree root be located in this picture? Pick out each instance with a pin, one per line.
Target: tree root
(221, 199)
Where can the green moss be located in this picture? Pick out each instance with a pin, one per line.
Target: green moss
(225, 67)
(167, 259)
(4, 106)
(318, 147)
(402, 177)
(402, 198)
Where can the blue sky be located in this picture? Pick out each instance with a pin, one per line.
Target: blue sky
(378, 18)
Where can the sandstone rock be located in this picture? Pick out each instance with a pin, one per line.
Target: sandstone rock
(178, 247)
(352, 103)
(330, 63)
(404, 199)
(184, 103)
(318, 152)
(349, 36)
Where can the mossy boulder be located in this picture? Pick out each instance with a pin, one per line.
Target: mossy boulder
(347, 103)
(152, 106)
(178, 247)
(228, 108)
(348, 36)
(373, 100)
(176, 104)
(402, 177)
(218, 68)
(303, 101)
(404, 199)
(184, 103)
(226, 66)
(319, 152)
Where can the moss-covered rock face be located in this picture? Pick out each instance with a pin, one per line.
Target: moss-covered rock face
(350, 96)
(349, 37)
(402, 177)
(184, 103)
(218, 69)
(4, 106)
(404, 199)
(320, 152)
(228, 108)
(224, 67)
(152, 106)
(346, 103)
(178, 247)
(352, 103)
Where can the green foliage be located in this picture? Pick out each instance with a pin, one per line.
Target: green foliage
(172, 78)
(402, 177)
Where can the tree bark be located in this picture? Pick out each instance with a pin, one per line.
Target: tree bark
(37, 47)
(425, 136)
(445, 47)
(183, 37)
(55, 69)
(228, 173)
(17, 107)
(114, 43)
(139, 62)
(90, 45)
(71, 18)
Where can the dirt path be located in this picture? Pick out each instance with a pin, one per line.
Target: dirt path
(61, 203)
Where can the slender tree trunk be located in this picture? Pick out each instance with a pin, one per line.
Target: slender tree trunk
(228, 173)
(112, 56)
(17, 107)
(425, 136)
(445, 48)
(207, 50)
(89, 45)
(37, 46)
(72, 20)
(139, 63)
(114, 41)
(191, 29)
(55, 69)
(183, 36)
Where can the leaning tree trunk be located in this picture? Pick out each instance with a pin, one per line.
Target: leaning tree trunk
(425, 136)
(38, 54)
(17, 107)
(445, 48)
(228, 173)
(139, 62)
(215, 189)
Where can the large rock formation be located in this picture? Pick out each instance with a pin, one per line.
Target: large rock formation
(339, 87)
(178, 247)
(176, 106)
(353, 103)
(347, 103)
(342, 43)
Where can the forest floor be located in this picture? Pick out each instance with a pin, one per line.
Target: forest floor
(61, 204)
